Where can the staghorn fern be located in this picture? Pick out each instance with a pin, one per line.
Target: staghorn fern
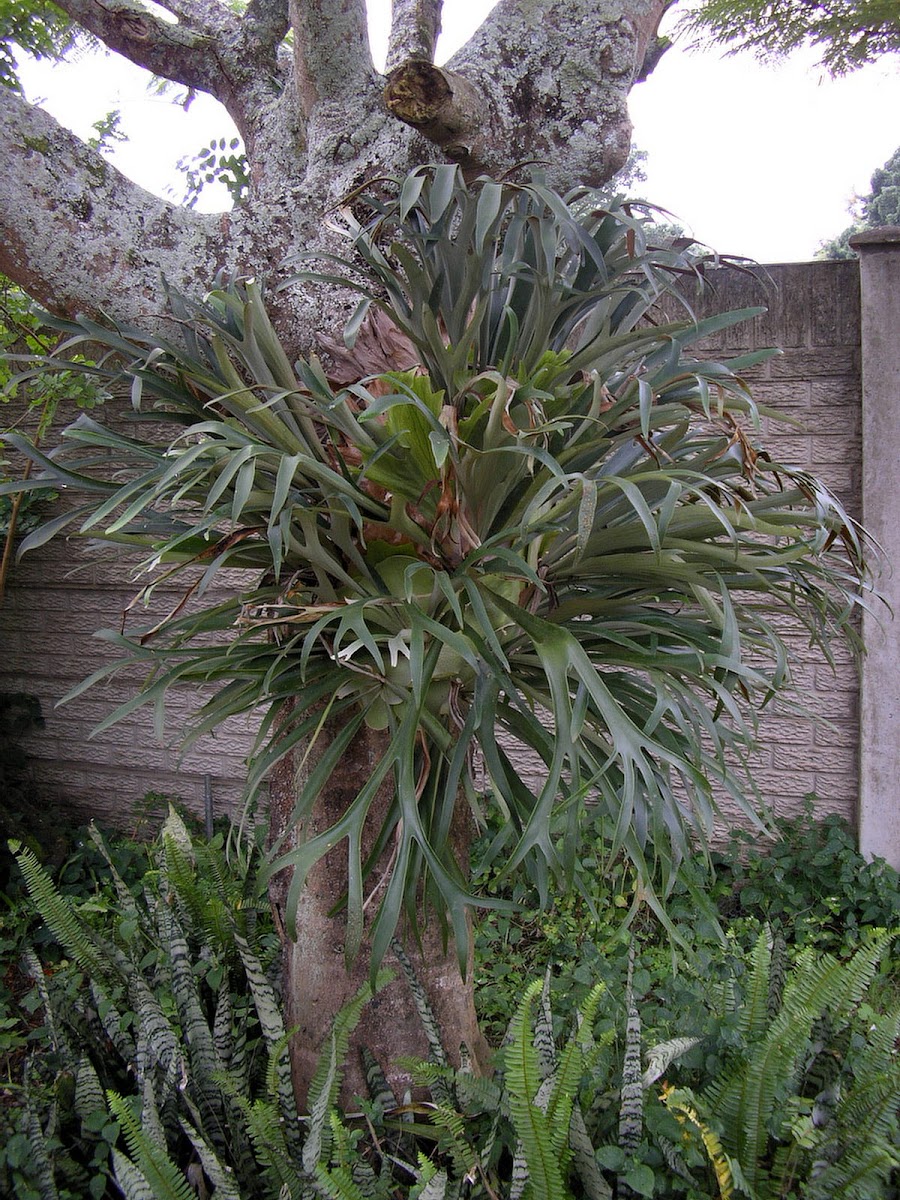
(559, 508)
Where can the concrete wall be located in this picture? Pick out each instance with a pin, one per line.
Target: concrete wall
(58, 598)
(50, 615)
(813, 316)
(879, 811)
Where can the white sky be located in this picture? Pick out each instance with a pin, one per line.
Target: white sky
(754, 160)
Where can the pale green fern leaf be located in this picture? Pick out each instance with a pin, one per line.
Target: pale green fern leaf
(465, 1158)
(326, 1081)
(566, 1081)
(523, 1082)
(337, 1183)
(754, 1014)
(320, 1106)
(267, 1135)
(82, 944)
(152, 1162)
(861, 1174)
(435, 1187)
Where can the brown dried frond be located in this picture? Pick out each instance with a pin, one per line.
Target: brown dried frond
(379, 347)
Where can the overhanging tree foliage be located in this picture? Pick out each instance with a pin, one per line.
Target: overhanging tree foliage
(848, 33)
(880, 207)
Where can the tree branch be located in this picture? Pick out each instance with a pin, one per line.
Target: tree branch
(514, 93)
(183, 52)
(415, 25)
(266, 22)
(331, 52)
(78, 235)
(444, 107)
(199, 14)
(239, 61)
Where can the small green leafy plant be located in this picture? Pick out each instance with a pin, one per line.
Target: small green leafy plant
(34, 397)
(811, 883)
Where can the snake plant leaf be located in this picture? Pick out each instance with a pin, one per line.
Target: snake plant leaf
(150, 1164)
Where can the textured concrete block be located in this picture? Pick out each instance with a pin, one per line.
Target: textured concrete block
(813, 364)
(841, 392)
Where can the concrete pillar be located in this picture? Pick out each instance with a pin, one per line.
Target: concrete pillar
(879, 806)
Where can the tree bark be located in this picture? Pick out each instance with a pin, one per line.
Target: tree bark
(317, 982)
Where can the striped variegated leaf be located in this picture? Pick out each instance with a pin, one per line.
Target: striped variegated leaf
(89, 1097)
(660, 1057)
(132, 1183)
(436, 1188)
(157, 1042)
(276, 1037)
(631, 1103)
(584, 1160)
(220, 1176)
(41, 1156)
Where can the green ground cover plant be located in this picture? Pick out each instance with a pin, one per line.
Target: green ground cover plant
(626, 1064)
(811, 883)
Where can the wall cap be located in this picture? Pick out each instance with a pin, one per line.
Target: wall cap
(886, 235)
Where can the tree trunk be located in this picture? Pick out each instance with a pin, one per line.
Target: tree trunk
(317, 983)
